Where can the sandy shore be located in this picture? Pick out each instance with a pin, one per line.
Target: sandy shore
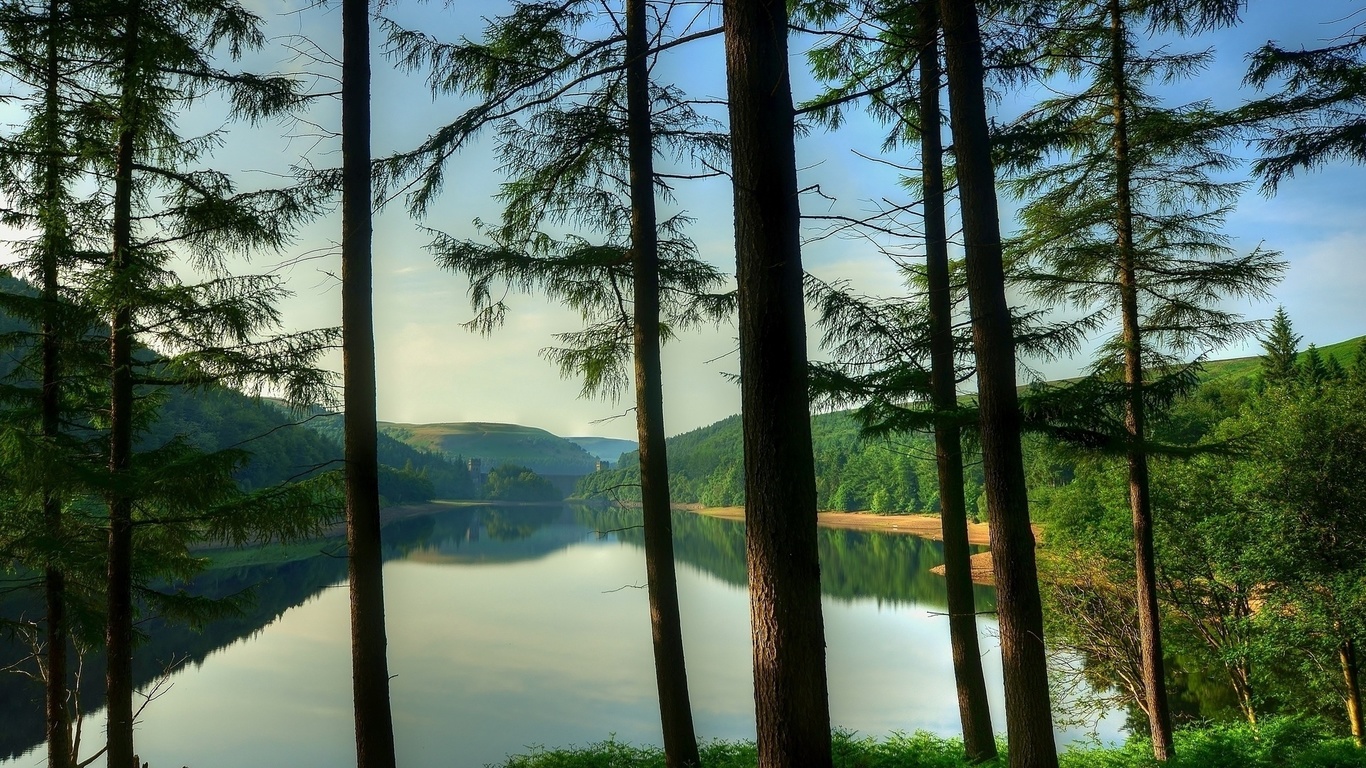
(981, 569)
(924, 526)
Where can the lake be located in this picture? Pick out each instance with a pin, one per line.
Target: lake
(515, 628)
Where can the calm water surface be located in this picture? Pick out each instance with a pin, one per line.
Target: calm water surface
(510, 629)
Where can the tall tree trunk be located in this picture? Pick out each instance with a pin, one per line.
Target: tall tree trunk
(369, 665)
(791, 700)
(1347, 654)
(973, 709)
(119, 626)
(1029, 720)
(1140, 499)
(54, 237)
(666, 629)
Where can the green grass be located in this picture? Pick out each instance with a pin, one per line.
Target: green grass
(1278, 743)
(1240, 367)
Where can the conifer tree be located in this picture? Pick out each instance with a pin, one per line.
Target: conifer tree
(164, 331)
(790, 689)
(580, 156)
(1315, 110)
(38, 169)
(1312, 370)
(1029, 721)
(868, 58)
(1281, 346)
(365, 560)
(1123, 215)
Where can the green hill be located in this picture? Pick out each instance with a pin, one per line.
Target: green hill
(496, 444)
(281, 448)
(1237, 368)
(898, 475)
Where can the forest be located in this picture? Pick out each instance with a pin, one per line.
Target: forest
(1169, 539)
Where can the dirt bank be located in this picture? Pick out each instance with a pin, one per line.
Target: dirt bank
(924, 526)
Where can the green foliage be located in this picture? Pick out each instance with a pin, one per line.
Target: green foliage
(1281, 344)
(1277, 743)
(510, 482)
(705, 466)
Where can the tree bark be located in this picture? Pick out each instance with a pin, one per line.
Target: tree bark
(1029, 720)
(119, 619)
(58, 739)
(979, 742)
(1140, 499)
(369, 665)
(792, 710)
(1347, 654)
(666, 628)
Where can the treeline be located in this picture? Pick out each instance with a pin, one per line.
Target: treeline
(853, 472)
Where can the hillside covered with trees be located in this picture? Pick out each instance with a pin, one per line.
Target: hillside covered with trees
(890, 475)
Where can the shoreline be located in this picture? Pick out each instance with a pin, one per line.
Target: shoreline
(922, 525)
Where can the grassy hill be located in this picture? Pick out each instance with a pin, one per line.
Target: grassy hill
(898, 475)
(1236, 368)
(496, 444)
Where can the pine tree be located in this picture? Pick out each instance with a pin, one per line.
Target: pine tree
(1029, 721)
(790, 690)
(577, 156)
(868, 59)
(1122, 215)
(1312, 371)
(1316, 110)
(202, 334)
(369, 663)
(1282, 349)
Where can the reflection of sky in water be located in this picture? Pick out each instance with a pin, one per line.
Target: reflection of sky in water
(498, 657)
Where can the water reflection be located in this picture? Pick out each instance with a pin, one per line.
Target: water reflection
(891, 568)
(512, 627)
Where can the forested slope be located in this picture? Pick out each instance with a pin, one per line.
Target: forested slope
(898, 474)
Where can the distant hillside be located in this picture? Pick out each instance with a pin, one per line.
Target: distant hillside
(281, 449)
(495, 444)
(449, 479)
(1246, 367)
(605, 448)
(852, 473)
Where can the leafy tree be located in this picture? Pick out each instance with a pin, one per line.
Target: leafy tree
(510, 482)
(1029, 723)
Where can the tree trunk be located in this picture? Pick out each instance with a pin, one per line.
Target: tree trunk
(1347, 654)
(1140, 500)
(1029, 720)
(666, 629)
(119, 626)
(369, 666)
(58, 739)
(792, 710)
(973, 710)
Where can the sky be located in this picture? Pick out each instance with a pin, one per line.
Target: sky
(430, 369)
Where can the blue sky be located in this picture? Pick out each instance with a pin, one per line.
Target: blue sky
(431, 369)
